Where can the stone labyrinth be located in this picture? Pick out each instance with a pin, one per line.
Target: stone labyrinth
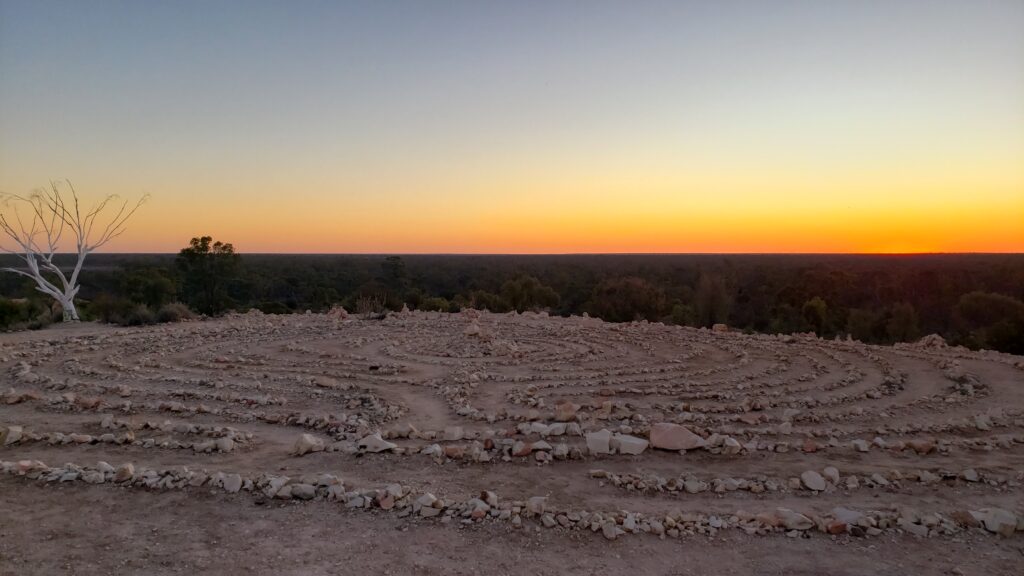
(559, 424)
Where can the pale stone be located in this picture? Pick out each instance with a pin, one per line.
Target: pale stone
(668, 436)
(831, 473)
(997, 520)
(793, 520)
(813, 481)
(307, 443)
(599, 442)
(611, 531)
(626, 444)
(454, 433)
(225, 444)
(536, 505)
(124, 472)
(374, 443)
(232, 483)
(11, 435)
(303, 491)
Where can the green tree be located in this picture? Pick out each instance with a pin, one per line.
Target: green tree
(682, 315)
(902, 323)
(992, 321)
(394, 274)
(207, 268)
(434, 304)
(863, 325)
(625, 299)
(712, 300)
(149, 286)
(484, 300)
(815, 314)
(527, 293)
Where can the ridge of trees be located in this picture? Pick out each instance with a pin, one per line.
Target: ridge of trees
(973, 300)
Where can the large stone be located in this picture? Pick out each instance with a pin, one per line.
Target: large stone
(303, 491)
(1002, 522)
(124, 472)
(307, 443)
(454, 433)
(813, 481)
(731, 446)
(922, 446)
(427, 500)
(910, 527)
(668, 436)
(831, 473)
(232, 483)
(793, 520)
(983, 422)
(225, 444)
(611, 531)
(374, 443)
(536, 505)
(599, 442)
(847, 516)
(10, 434)
(626, 444)
(565, 411)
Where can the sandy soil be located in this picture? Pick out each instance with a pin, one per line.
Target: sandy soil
(769, 409)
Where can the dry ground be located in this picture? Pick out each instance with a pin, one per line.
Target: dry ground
(165, 399)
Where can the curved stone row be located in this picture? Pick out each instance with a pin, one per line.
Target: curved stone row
(406, 503)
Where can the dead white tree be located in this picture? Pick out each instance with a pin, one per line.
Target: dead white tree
(38, 235)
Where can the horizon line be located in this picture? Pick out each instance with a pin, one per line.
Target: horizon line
(1020, 253)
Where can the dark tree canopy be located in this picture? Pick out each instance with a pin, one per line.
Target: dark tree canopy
(972, 300)
(207, 269)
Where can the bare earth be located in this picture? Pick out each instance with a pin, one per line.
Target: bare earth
(173, 450)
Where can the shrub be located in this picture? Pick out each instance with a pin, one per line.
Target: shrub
(174, 312)
(15, 313)
(273, 308)
(372, 306)
(109, 309)
(139, 315)
(434, 304)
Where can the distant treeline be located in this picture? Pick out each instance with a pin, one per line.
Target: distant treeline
(974, 300)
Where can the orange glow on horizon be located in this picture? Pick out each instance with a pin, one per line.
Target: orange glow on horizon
(611, 226)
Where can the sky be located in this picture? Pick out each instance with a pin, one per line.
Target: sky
(527, 127)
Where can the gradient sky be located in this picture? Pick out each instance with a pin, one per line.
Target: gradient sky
(552, 126)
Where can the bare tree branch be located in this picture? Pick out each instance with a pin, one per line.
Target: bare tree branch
(38, 244)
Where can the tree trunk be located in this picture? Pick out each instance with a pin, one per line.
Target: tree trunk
(70, 312)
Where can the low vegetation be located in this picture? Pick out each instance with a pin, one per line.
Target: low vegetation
(972, 300)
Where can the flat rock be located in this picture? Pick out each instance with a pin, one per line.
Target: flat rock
(124, 472)
(813, 481)
(232, 483)
(307, 443)
(793, 520)
(374, 443)
(599, 442)
(997, 520)
(627, 444)
(303, 491)
(668, 436)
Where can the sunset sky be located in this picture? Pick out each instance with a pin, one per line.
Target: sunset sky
(527, 127)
